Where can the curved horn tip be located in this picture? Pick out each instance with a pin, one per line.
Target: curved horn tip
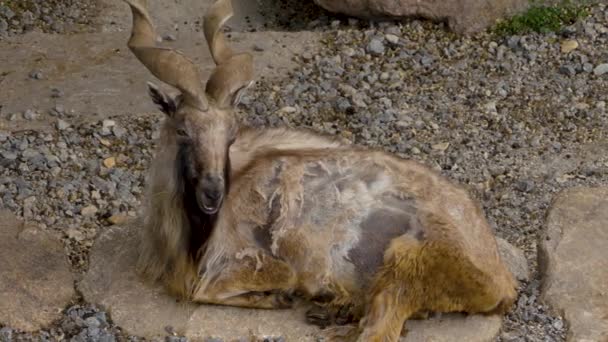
(217, 15)
(221, 8)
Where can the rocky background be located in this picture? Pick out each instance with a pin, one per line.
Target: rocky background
(516, 118)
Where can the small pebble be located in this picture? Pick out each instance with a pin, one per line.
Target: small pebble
(587, 67)
(89, 211)
(169, 37)
(56, 93)
(92, 322)
(30, 115)
(36, 74)
(62, 125)
(6, 334)
(601, 69)
(307, 56)
(567, 70)
(569, 45)
(118, 131)
(375, 47)
(391, 38)
(525, 185)
(109, 162)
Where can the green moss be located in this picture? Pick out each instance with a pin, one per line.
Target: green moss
(543, 18)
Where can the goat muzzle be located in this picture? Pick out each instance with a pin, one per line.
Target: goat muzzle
(210, 194)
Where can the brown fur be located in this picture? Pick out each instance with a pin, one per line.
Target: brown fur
(453, 265)
(365, 235)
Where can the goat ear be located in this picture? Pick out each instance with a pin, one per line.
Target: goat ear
(236, 97)
(166, 103)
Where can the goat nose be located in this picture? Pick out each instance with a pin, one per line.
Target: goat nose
(213, 194)
(213, 186)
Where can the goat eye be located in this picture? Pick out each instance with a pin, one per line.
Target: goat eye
(182, 132)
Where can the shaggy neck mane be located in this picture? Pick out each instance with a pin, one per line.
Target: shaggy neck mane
(199, 225)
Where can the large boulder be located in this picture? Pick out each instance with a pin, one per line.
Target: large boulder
(145, 310)
(573, 260)
(463, 16)
(35, 279)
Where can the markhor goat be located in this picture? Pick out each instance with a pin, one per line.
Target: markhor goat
(246, 217)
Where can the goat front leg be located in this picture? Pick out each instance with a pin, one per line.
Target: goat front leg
(256, 280)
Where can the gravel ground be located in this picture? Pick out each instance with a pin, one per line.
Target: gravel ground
(51, 16)
(491, 113)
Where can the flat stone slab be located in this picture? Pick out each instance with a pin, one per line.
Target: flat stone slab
(573, 259)
(35, 279)
(144, 310)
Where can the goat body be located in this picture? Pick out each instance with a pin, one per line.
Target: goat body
(252, 217)
(362, 233)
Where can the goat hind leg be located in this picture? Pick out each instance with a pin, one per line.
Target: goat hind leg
(385, 316)
(392, 298)
(383, 320)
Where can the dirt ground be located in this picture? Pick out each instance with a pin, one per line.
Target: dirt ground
(89, 68)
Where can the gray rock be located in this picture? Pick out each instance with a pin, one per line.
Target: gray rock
(3, 27)
(58, 110)
(525, 185)
(30, 153)
(106, 337)
(106, 126)
(92, 322)
(8, 13)
(587, 67)
(8, 155)
(30, 115)
(567, 70)
(426, 60)
(601, 69)
(391, 38)
(463, 16)
(513, 42)
(375, 46)
(213, 339)
(6, 334)
(62, 125)
(118, 131)
(573, 261)
(169, 37)
(258, 47)
(27, 17)
(35, 260)
(36, 74)
(515, 259)
(307, 56)
(56, 93)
